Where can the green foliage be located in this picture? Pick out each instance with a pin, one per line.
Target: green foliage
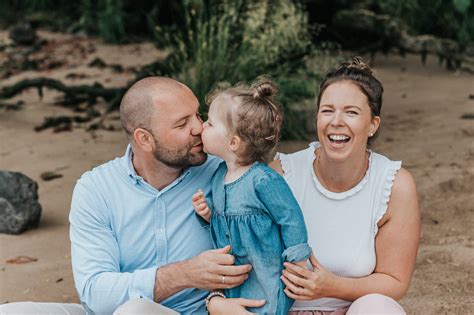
(111, 21)
(116, 21)
(55, 13)
(444, 18)
(209, 41)
(462, 5)
(237, 41)
(105, 18)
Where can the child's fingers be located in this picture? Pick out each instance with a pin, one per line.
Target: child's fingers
(198, 196)
(199, 201)
(201, 207)
(205, 211)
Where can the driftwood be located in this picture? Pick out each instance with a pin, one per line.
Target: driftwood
(75, 96)
(355, 28)
(367, 32)
(72, 94)
(15, 107)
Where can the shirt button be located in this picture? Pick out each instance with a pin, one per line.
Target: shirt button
(227, 235)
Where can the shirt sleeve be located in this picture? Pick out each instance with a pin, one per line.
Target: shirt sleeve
(276, 196)
(95, 256)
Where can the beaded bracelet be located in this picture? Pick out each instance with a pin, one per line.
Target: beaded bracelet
(211, 295)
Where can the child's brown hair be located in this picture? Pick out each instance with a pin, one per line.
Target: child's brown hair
(252, 114)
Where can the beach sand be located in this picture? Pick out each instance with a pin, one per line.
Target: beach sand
(421, 125)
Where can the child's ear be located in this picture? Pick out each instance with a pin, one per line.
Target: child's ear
(234, 143)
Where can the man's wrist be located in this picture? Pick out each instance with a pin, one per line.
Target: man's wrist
(169, 279)
(185, 276)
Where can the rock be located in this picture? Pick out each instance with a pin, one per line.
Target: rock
(97, 63)
(19, 206)
(23, 33)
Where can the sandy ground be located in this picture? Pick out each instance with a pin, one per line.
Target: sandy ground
(422, 126)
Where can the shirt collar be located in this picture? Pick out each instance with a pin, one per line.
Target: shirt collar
(129, 165)
(137, 178)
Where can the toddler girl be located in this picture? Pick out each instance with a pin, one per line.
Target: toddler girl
(252, 207)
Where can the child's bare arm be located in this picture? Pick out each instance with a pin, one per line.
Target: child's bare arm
(200, 205)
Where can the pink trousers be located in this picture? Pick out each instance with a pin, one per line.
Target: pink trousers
(368, 304)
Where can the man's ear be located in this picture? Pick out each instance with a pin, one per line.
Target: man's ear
(234, 143)
(144, 139)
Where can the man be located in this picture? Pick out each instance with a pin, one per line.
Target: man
(134, 234)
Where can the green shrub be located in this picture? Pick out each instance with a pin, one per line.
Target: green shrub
(237, 41)
(444, 18)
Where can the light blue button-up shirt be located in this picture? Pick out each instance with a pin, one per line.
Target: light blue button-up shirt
(123, 229)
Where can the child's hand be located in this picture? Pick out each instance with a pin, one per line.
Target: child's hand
(200, 205)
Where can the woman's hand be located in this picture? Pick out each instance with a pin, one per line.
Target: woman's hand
(304, 284)
(218, 305)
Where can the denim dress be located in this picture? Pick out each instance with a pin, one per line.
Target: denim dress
(261, 220)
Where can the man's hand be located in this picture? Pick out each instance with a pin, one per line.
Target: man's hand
(200, 205)
(218, 305)
(212, 269)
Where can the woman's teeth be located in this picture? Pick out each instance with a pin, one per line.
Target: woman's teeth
(339, 138)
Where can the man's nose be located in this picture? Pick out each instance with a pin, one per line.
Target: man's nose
(196, 130)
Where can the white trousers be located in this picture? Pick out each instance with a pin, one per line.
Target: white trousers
(135, 306)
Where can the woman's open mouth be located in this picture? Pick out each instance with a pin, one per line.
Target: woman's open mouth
(338, 139)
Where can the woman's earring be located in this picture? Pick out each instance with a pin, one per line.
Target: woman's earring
(371, 134)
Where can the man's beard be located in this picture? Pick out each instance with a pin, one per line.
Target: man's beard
(179, 158)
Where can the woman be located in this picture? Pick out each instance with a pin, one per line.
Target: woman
(361, 208)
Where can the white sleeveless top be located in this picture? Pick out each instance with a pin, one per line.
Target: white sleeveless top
(341, 226)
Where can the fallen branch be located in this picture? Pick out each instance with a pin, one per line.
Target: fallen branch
(73, 95)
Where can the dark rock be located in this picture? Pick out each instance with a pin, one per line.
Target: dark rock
(116, 68)
(19, 206)
(97, 63)
(23, 34)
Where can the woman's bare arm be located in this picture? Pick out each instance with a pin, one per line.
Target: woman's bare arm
(396, 248)
(276, 165)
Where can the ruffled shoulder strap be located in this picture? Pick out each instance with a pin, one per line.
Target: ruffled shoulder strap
(387, 170)
(294, 162)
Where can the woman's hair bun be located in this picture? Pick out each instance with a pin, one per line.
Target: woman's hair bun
(264, 87)
(358, 63)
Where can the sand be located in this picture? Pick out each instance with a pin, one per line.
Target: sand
(421, 125)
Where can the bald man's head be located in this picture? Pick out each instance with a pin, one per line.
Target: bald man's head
(138, 103)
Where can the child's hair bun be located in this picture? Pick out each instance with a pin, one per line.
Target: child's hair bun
(356, 63)
(264, 87)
